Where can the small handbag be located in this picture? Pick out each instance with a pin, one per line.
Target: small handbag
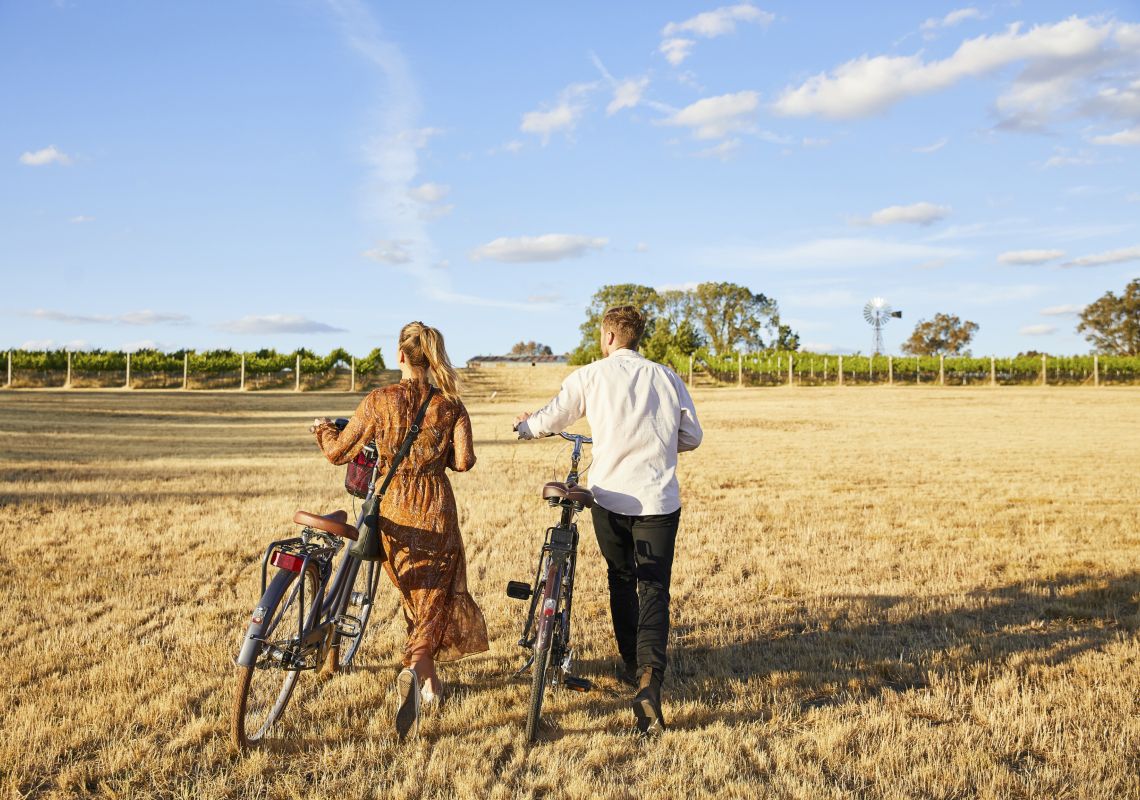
(367, 546)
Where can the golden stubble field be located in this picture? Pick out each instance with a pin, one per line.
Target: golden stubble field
(907, 592)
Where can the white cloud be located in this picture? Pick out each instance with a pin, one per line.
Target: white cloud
(824, 348)
(437, 211)
(45, 156)
(52, 344)
(142, 344)
(827, 252)
(915, 214)
(642, 247)
(545, 299)
(676, 50)
(390, 251)
(129, 318)
(81, 218)
(933, 148)
(1120, 256)
(868, 85)
(627, 94)
(717, 117)
(429, 192)
(1067, 310)
(1063, 157)
(676, 45)
(548, 247)
(276, 323)
(1037, 330)
(688, 286)
(418, 138)
(563, 116)
(1030, 256)
(724, 151)
(1130, 136)
(513, 146)
(950, 20)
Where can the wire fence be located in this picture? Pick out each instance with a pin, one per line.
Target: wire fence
(815, 369)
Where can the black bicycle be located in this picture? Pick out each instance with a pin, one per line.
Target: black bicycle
(546, 633)
(310, 611)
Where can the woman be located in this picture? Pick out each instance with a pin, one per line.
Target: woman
(419, 526)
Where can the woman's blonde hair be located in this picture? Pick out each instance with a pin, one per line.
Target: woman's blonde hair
(423, 347)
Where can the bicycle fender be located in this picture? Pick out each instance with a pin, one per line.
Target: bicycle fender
(264, 611)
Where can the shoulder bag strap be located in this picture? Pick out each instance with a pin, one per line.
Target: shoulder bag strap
(406, 447)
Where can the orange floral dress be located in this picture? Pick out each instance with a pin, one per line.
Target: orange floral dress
(419, 525)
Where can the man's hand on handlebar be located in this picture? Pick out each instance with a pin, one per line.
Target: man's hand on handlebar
(519, 420)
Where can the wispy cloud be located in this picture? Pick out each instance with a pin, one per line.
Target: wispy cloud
(922, 213)
(80, 219)
(276, 323)
(1127, 137)
(677, 43)
(47, 155)
(627, 92)
(52, 344)
(1120, 256)
(1021, 257)
(429, 192)
(717, 117)
(391, 251)
(548, 247)
(934, 147)
(563, 115)
(129, 318)
(1067, 310)
(951, 20)
(1037, 330)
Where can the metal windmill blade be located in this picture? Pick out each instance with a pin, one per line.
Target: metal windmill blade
(878, 312)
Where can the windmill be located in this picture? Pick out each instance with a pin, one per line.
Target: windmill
(878, 313)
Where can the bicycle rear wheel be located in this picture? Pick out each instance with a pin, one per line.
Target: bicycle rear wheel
(360, 602)
(540, 671)
(264, 687)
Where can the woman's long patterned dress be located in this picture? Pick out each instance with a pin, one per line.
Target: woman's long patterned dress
(418, 520)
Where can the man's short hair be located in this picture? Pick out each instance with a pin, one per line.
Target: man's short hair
(626, 323)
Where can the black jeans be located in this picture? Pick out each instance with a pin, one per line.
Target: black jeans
(639, 556)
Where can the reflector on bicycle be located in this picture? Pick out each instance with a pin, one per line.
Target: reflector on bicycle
(287, 561)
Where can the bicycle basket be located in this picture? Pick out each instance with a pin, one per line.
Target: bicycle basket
(359, 473)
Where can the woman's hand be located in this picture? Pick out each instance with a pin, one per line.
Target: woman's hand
(318, 422)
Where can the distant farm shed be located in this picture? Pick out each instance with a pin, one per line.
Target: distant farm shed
(515, 361)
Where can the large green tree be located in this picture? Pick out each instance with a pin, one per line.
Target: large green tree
(621, 294)
(944, 335)
(1112, 324)
(733, 317)
(531, 348)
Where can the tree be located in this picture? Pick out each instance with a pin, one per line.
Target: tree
(945, 335)
(531, 349)
(731, 315)
(1112, 324)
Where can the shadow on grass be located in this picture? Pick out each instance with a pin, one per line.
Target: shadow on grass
(842, 657)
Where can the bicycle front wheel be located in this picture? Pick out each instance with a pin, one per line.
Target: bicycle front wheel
(540, 671)
(265, 686)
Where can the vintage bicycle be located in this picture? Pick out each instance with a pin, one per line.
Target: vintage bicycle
(310, 610)
(546, 632)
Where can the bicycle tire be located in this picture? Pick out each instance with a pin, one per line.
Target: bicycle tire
(538, 688)
(370, 570)
(251, 722)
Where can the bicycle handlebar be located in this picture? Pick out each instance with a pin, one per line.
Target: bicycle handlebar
(576, 437)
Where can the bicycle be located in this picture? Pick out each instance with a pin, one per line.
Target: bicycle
(547, 635)
(303, 613)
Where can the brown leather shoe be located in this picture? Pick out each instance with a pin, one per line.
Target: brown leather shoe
(647, 703)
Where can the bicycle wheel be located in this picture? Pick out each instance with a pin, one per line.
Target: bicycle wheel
(360, 602)
(540, 670)
(264, 687)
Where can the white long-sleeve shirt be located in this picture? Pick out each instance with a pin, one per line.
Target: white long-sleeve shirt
(641, 416)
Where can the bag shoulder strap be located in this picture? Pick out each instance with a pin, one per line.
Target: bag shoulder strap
(406, 447)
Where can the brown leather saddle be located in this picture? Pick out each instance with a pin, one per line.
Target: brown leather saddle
(573, 493)
(335, 523)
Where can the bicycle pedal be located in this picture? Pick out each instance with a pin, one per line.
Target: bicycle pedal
(577, 684)
(348, 627)
(518, 590)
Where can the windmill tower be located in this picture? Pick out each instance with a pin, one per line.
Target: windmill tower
(878, 313)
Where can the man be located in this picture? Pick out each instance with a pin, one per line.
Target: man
(641, 416)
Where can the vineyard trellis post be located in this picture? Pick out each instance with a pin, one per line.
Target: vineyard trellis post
(917, 369)
(1044, 375)
(67, 383)
(890, 370)
(1096, 370)
(690, 370)
(241, 387)
(127, 384)
(825, 371)
(740, 369)
(8, 385)
(841, 370)
(789, 369)
(186, 370)
(297, 387)
(352, 376)
(941, 370)
(993, 372)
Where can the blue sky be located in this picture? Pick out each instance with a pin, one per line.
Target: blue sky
(312, 173)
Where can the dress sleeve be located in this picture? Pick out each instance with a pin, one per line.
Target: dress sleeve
(461, 456)
(340, 447)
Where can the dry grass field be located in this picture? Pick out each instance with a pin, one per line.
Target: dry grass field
(878, 592)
